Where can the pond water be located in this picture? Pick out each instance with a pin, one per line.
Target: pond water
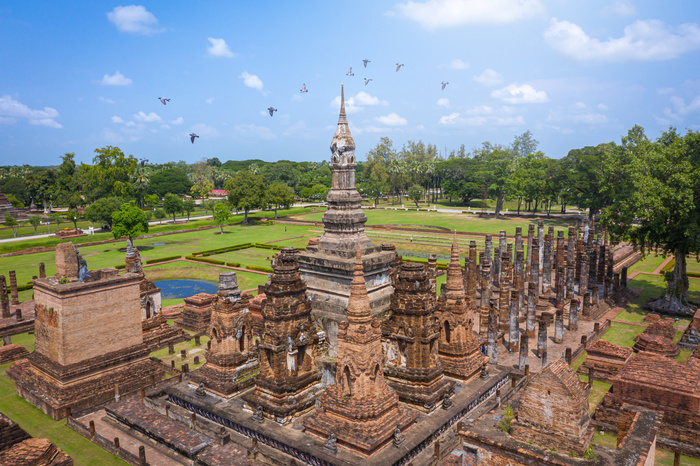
(179, 289)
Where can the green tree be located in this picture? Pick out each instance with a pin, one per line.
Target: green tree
(209, 204)
(73, 216)
(16, 203)
(140, 183)
(246, 191)
(11, 222)
(159, 214)
(415, 193)
(110, 174)
(495, 169)
(654, 186)
(152, 200)
(279, 194)
(221, 215)
(172, 204)
(102, 209)
(188, 206)
(129, 221)
(34, 220)
(169, 180)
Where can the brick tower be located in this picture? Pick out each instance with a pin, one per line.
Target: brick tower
(360, 409)
(289, 380)
(232, 360)
(89, 342)
(412, 335)
(459, 348)
(327, 267)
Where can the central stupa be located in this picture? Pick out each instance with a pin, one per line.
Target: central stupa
(328, 266)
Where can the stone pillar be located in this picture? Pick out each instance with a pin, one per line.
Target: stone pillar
(583, 280)
(503, 307)
(4, 300)
(544, 357)
(500, 252)
(610, 264)
(567, 355)
(524, 352)
(530, 237)
(535, 272)
(560, 249)
(485, 282)
(616, 283)
(579, 256)
(519, 280)
(592, 259)
(561, 287)
(586, 304)
(623, 277)
(600, 276)
(42, 270)
(514, 323)
(18, 314)
(570, 263)
(559, 326)
(606, 290)
(531, 313)
(473, 278)
(492, 337)
(519, 239)
(484, 312)
(13, 288)
(540, 241)
(541, 337)
(488, 253)
(547, 266)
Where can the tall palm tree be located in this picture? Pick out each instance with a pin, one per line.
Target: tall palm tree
(140, 183)
(394, 169)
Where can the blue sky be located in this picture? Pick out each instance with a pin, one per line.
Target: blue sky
(75, 76)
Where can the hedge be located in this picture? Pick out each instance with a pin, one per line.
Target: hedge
(26, 286)
(233, 264)
(235, 247)
(162, 259)
(267, 246)
(120, 266)
(670, 266)
(259, 268)
(208, 261)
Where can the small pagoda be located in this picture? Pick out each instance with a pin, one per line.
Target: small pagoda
(289, 381)
(360, 411)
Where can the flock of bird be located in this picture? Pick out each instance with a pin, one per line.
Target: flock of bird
(304, 90)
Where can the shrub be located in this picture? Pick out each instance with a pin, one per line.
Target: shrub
(259, 268)
(590, 454)
(120, 266)
(208, 261)
(504, 423)
(162, 259)
(233, 264)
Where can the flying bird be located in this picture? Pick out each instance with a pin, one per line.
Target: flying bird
(192, 136)
(444, 84)
(367, 80)
(143, 161)
(398, 66)
(350, 73)
(163, 100)
(304, 89)
(271, 110)
(365, 61)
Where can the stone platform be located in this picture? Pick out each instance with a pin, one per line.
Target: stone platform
(289, 442)
(11, 326)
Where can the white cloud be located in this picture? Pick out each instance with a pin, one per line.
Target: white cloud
(435, 14)
(203, 130)
(130, 124)
(489, 78)
(621, 7)
(117, 79)
(392, 119)
(480, 110)
(11, 110)
(105, 100)
(164, 126)
(149, 118)
(253, 131)
(178, 121)
(219, 48)
(649, 40)
(458, 64)
(523, 94)
(444, 103)
(681, 108)
(449, 119)
(251, 80)
(117, 119)
(356, 103)
(134, 19)
(602, 107)
(209, 100)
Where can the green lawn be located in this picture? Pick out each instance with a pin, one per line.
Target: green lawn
(622, 334)
(650, 263)
(191, 349)
(37, 424)
(665, 458)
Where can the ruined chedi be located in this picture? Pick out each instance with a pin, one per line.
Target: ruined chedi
(289, 381)
(459, 348)
(411, 337)
(232, 359)
(327, 268)
(360, 410)
(81, 358)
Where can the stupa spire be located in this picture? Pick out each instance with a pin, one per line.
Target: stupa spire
(454, 256)
(342, 139)
(358, 304)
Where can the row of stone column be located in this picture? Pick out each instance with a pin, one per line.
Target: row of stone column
(13, 299)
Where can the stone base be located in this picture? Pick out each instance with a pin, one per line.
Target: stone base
(12, 352)
(157, 333)
(194, 320)
(464, 366)
(225, 380)
(35, 451)
(282, 406)
(528, 433)
(656, 344)
(419, 390)
(55, 397)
